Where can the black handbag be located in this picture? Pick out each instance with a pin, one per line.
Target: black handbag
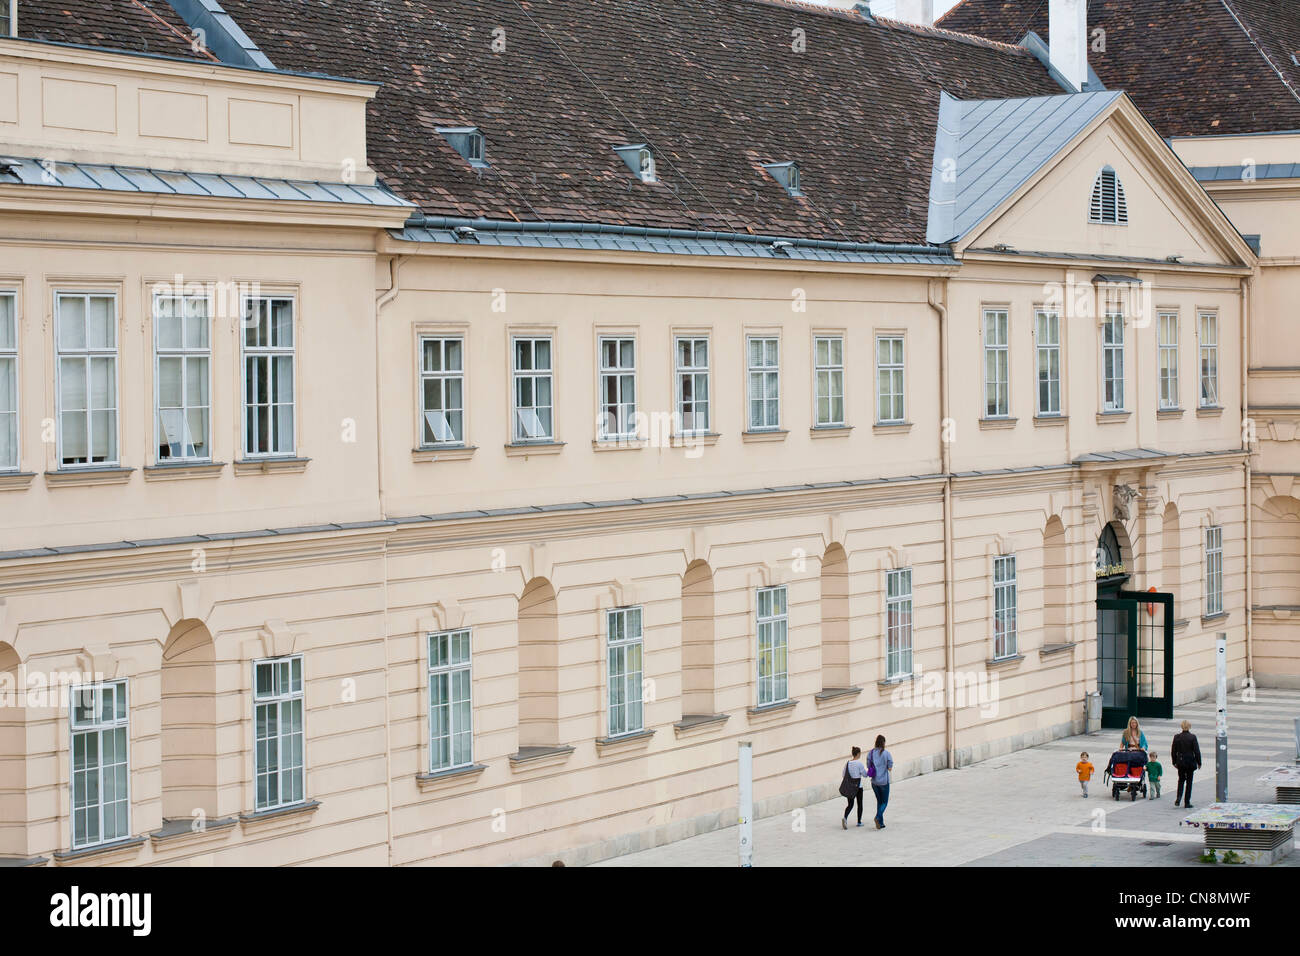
(849, 786)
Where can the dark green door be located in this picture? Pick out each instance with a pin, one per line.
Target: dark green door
(1135, 656)
(1116, 634)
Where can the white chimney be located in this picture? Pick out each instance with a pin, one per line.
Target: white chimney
(914, 11)
(1067, 27)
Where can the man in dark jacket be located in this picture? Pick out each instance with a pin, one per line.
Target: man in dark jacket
(1185, 752)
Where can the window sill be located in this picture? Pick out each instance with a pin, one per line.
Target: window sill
(707, 439)
(781, 708)
(836, 695)
(1050, 421)
(830, 431)
(16, 480)
(444, 453)
(624, 743)
(271, 466)
(269, 819)
(618, 444)
(1050, 650)
(446, 779)
(993, 423)
(1113, 418)
(896, 681)
(1215, 618)
(891, 428)
(1012, 660)
(88, 476)
(527, 448)
(180, 832)
(118, 850)
(1168, 414)
(699, 723)
(187, 469)
(1209, 411)
(532, 758)
(766, 434)
(18, 862)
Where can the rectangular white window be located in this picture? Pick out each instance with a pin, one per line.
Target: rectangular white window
(773, 628)
(451, 717)
(889, 379)
(997, 364)
(269, 373)
(8, 381)
(764, 356)
(898, 623)
(278, 734)
(828, 378)
(1213, 571)
(1168, 344)
(625, 669)
(86, 333)
(1112, 361)
(1047, 339)
(533, 382)
(101, 766)
(1004, 606)
(693, 401)
(182, 377)
(1209, 323)
(617, 417)
(442, 391)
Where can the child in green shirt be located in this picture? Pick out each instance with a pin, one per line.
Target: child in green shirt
(1154, 770)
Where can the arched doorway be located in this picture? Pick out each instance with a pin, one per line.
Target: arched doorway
(1135, 637)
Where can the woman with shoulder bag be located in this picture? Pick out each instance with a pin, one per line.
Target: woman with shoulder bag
(851, 785)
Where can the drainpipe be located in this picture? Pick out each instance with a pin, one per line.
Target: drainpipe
(945, 459)
(1247, 304)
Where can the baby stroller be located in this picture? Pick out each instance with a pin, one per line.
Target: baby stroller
(1127, 772)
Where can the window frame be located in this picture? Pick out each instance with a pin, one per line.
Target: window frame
(1006, 608)
(769, 373)
(899, 628)
(1054, 351)
(1002, 349)
(774, 622)
(1203, 349)
(1168, 399)
(622, 376)
(533, 374)
(98, 727)
(897, 372)
(450, 670)
(830, 369)
(269, 352)
(696, 372)
(114, 461)
(11, 354)
(442, 376)
(185, 354)
(624, 677)
(1110, 350)
(1213, 580)
(278, 699)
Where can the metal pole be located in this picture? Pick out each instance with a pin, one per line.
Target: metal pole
(746, 803)
(1221, 723)
(1297, 740)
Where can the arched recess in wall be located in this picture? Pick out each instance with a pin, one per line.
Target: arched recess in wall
(1276, 560)
(1056, 564)
(539, 675)
(13, 756)
(835, 618)
(189, 722)
(1171, 557)
(697, 641)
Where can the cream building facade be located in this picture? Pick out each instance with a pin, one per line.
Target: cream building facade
(373, 537)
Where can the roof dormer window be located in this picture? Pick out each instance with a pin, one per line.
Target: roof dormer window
(640, 159)
(466, 140)
(1109, 204)
(787, 174)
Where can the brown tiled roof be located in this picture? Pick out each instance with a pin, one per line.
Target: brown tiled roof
(137, 26)
(713, 85)
(1190, 65)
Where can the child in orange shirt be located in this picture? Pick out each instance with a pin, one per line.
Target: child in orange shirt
(1085, 770)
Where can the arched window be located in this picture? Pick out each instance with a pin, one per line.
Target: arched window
(1109, 205)
(697, 641)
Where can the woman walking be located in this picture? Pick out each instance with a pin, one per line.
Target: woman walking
(881, 763)
(1185, 752)
(855, 772)
(1133, 738)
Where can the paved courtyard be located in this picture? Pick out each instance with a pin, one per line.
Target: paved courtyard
(1023, 809)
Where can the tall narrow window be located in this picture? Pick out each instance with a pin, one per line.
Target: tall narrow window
(533, 381)
(624, 652)
(898, 623)
(269, 374)
(1209, 323)
(1004, 606)
(182, 356)
(1213, 571)
(693, 385)
(8, 382)
(764, 383)
(1109, 204)
(442, 391)
(101, 767)
(86, 332)
(617, 419)
(997, 364)
(451, 724)
(773, 626)
(1168, 344)
(278, 734)
(828, 380)
(889, 379)
(1112, 354)
(1047, 339)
